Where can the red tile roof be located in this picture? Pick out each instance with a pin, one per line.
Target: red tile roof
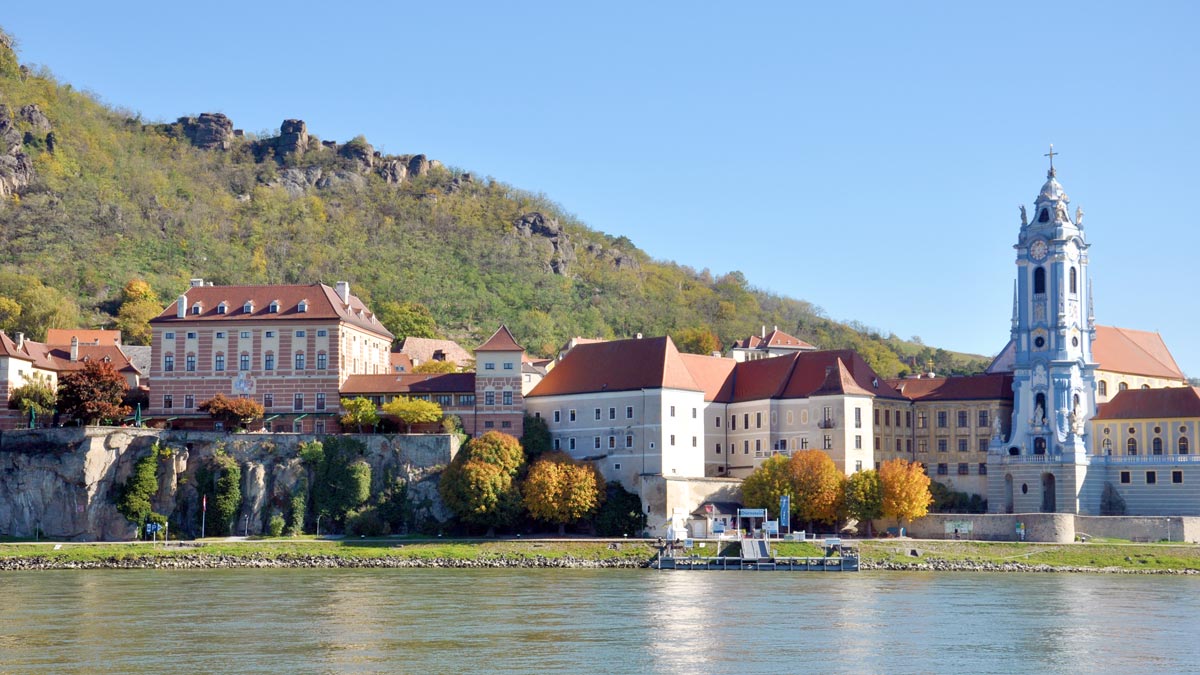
(323, 303)
(1134, 352)
(58, 358)
(991, 386)
(448, 383)
(618, 365)
(1139, 404)
(813, 370)
(399, 363)
(62, 336)
(711, 373)
(776, 338)
(501, 341)
(9, 348)
(426, 349)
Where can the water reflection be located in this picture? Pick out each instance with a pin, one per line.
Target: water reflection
(538, 621)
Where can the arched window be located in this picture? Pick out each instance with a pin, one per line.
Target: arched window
(1145, 386)
(1156, 446)
(1074, 281)
(1122, 387)
(1103, 388)
(1131, 446)
(1183, 445)
(1107, 446)
(1039, 446)
(1039, 281)
(1044, 216)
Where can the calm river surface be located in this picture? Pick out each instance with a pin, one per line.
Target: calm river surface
(569, 621)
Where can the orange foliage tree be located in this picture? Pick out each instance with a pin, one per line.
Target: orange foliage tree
(817, 486)
(561, 490)
(905, 489)
(235, 412)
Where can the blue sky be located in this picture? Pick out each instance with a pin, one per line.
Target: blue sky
(866, 157)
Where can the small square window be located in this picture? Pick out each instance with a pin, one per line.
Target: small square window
(1177, 477)
(1151, 477)
(1125, 478)
(245, 335)
(489, 366)
(322, 333)
(191, 336)
(508, 365)
(169, 335)
(220, 335)
(300, 334)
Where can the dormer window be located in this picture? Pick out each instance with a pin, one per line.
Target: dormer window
(274, 307)
(248, 308)
(196, 308)
(222, 308)
(303, 306)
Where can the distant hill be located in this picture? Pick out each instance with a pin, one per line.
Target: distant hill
(92, 197)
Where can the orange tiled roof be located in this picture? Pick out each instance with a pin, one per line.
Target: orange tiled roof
(712, 373)
(323, 303)
(448, 383)
(62, 336)
(1139, 404)
(9, 348)
(58, 358)
(501, 341)
(396, 361)
(618, 365)
(1134, 352)
(964, 388)
(776, 338)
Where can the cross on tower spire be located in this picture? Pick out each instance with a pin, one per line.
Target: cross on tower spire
(1051, 154)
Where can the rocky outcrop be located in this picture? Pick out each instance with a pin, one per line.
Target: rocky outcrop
(359, 152)
(393, 170)
(16, 167)
(292, 139)
(209, 131)
(614, 256)
(64, 482)
(297, 181)
(36, 119)
(541, 233)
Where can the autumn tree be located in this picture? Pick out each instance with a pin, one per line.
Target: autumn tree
(697, 341)
(498, 448)
(435, 368)
(412, 411)
(763, 487)
(905, 488)
(360, 412)
(818, 487)
(93, 394)
(33, 307)
(37, 396)
(480, 484)
(864, 497)
(560, 490)
(139, 304)
(407, 319)
(237, 412)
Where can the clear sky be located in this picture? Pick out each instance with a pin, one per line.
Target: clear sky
(866, 157)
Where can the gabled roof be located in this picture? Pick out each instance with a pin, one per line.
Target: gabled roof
(1117, 350)
(322, 302)
(839, 381)
(447, 383)
(9, 348)
(399, 363)
(58, 358)
(997, 386)
(62, 336)
(711, 373)
(775, 339)
(1139, 404)
(501, 341)
(618, 365)
(813, 371)
(427, 349)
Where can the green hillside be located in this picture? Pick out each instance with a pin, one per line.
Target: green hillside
(94, 197)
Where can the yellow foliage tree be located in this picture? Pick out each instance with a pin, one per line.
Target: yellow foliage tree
(818, 487)
(412, 411)
(561, 490)
(905, 489)
(436, 367)
(763, 487)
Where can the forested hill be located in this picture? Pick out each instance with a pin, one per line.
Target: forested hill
(93, 197)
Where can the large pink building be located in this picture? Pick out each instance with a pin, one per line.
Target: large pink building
(289, 347)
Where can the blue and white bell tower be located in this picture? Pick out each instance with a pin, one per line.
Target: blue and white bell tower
(1044, 459)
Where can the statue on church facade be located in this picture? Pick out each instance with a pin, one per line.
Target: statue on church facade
(1039, 416)
(1060, 211)
(1078, 216)
(1024, 218)
(1077, 423)
(997, 430)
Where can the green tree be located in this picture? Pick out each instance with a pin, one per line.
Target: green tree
(134, 499)
(560, 490)
(220, 482)
(697, 341)
(621, 513)
(412, 411)
(480, 493)
(36, 395)
(341, 478)
(238, 412)
(407, 319)
(436, 368)
(864, 497)
(93, 394)
(767, 483)
(360, 412)
(535, 437)
(41, 307)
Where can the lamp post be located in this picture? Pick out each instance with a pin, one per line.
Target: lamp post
(246, 525)
(319, 524)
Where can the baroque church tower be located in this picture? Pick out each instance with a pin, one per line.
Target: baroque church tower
(1044, 458)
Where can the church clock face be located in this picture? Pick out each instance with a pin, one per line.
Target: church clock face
(1037, 250)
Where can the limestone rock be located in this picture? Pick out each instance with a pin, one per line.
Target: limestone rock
(393, 170)
(293, 138)
(33, 114)
(16, 167)
(418, 165)
(547, 235)
(359, 152)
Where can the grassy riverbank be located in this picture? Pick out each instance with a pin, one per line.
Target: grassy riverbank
(877, 554)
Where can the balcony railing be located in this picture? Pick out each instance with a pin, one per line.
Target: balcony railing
(827, 423)
(1144, 459)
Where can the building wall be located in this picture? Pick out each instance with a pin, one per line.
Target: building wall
(498, 374)
(1173, 436)
(1151, 486)
(1113, 380)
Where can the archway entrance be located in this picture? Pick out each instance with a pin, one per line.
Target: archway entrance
(1008, 493)
(1049, 503)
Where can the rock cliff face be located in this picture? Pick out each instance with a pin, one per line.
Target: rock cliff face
(16, 168)
(64, 482)
(546, 239)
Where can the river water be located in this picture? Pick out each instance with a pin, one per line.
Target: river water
(602, 621)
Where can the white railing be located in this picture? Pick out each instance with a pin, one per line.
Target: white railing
(1144, 459)
(1032, 459)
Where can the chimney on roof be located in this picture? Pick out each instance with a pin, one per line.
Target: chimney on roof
(763, 334)
(74, 349)
(343, 291)
(639, 336)
(716, 353)
(776, 327)
(20, 339)
(181, 306)
(196, 283)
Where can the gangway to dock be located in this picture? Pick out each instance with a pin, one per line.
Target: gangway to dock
(755, 549)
